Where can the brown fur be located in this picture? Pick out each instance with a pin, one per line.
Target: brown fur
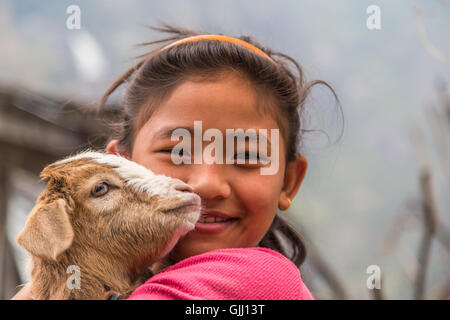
(112, 239)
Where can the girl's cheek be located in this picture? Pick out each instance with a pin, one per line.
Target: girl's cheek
(260, 194)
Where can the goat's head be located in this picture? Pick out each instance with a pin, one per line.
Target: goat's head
(108, 204)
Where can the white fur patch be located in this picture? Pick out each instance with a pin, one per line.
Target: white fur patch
(136, 176)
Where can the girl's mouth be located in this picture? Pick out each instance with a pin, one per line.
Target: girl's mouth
(213, 221)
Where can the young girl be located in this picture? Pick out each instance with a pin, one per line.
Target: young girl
(235, 251)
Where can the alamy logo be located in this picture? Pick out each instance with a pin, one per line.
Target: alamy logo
(73, 21)
(262, 149)
(373, 22)
(74, 280)
(374, 280)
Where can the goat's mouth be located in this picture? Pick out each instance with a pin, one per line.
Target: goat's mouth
(184, 208)
(190, 202)
(190, 208)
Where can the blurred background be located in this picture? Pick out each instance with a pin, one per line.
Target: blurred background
(379, 196)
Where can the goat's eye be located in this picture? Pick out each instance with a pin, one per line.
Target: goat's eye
(100, 189)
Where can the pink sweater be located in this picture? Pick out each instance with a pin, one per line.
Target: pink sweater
(227, 274)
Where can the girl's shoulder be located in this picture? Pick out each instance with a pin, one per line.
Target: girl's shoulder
(256, 259)
(235, 273)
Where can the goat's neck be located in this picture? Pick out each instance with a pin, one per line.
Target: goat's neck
(56, 280)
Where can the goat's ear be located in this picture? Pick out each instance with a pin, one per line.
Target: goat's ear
(48, 231)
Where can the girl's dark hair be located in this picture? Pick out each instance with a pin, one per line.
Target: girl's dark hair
(159, 72)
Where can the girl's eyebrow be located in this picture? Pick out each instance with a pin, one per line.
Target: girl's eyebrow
(260, 136)
(166, 132)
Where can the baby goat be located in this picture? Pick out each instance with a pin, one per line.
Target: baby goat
(110, 217)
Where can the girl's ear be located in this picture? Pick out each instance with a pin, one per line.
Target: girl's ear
(113, 148)
(293, 178)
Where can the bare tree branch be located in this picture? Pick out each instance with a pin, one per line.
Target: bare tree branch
(429, 47)
(429, 220)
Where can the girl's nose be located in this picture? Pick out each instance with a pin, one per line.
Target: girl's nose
(209, 182)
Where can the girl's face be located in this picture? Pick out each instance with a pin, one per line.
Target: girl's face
(238, 193)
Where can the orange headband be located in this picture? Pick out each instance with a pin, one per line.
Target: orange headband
(219, 38)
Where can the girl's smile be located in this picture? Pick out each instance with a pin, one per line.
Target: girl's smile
(213, 221)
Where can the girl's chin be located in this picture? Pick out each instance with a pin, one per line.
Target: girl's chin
(191, 245)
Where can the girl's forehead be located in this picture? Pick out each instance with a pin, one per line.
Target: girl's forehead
(224, 103)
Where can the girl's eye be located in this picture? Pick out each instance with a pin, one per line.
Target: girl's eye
(176, 151)
(250, 159)
(100, 189)
(246, 156)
